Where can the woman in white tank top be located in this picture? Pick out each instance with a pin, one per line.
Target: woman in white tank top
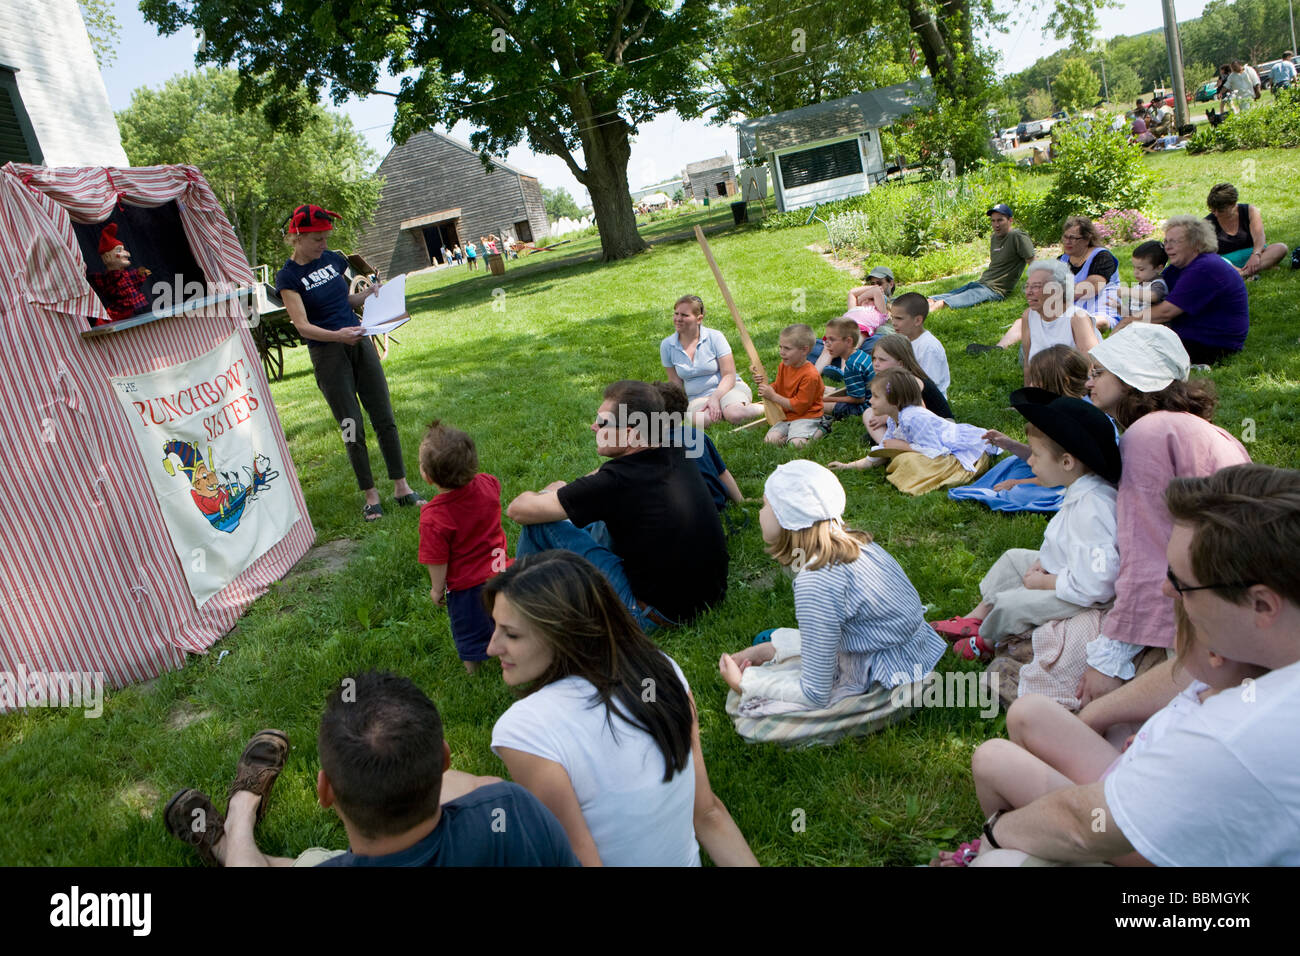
(1052, 318)
(606, 735)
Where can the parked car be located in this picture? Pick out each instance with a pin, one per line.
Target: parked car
(1207, 91)
(1030, 130)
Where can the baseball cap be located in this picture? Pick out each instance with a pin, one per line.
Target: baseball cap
(881, 272)
(1002, 208)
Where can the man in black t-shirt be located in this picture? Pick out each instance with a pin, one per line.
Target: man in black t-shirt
(644, 518)
(385, 771)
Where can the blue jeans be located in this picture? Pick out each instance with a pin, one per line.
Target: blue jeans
(972, 293)
(593, 543)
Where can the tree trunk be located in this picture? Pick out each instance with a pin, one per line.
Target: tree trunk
(607, 148)
(251, 251)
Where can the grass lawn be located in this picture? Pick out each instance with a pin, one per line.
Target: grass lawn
(519, 361)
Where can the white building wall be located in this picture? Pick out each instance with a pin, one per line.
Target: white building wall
(60, 84)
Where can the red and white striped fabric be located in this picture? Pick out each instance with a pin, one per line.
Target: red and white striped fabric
(89, 580)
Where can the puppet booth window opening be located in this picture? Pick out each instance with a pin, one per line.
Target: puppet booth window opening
(139, 263)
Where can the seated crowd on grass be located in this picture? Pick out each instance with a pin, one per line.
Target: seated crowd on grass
(1163, 604)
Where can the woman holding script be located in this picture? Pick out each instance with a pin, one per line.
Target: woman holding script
(314, 288)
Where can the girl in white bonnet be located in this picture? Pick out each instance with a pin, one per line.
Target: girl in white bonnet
(860, 619)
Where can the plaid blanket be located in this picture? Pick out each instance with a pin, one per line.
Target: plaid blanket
(854, 716)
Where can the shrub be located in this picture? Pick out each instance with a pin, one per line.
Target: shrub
(1268, 124)
(1118, 226)
(1097, 169)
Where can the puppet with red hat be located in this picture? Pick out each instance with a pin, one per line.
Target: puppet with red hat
(119, 287)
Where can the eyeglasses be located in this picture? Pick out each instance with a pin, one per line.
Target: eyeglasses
(1182, 588)
(1068, 238)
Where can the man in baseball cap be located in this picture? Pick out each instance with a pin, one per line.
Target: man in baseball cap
(1010, 250)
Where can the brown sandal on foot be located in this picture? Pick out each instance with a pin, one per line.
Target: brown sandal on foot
(192, 819)
(260, 763)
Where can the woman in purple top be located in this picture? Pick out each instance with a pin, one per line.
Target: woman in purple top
(1207, 304)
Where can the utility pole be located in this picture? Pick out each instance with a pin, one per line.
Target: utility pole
(1291, 10)
(1181, 116)
(1104, 85)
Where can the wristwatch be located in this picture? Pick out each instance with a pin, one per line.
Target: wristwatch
(988, 828)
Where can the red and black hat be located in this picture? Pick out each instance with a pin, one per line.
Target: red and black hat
(310, 218)
(108, 238)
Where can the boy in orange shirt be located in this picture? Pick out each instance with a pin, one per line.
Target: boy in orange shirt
(798, 390)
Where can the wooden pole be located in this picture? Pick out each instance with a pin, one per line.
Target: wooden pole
(774, 412)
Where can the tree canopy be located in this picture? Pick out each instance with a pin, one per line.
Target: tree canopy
(103, 29)
(559, 204)
(258, 174)
(573, 79)
(1076, 85)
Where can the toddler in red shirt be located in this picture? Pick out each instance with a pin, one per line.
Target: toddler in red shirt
(798, 390)
(461, 539)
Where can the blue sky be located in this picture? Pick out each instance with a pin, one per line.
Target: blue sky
(660, 149)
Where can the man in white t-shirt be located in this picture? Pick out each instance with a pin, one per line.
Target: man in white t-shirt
(1223, 787)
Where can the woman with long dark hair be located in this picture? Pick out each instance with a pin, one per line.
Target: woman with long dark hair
(606, 733)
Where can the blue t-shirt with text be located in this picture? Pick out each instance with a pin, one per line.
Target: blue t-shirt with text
(323, 285)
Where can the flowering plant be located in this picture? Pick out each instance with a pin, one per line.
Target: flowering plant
(1123, 225)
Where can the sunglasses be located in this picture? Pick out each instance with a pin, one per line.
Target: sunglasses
(1182, 588)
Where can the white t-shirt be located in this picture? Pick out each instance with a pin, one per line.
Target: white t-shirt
(1165, 719)
(1222, 788)
(634, 817)
(932, 359)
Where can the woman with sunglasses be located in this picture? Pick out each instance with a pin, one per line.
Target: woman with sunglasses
(1139, 378)
(606, 733)
(313, 286)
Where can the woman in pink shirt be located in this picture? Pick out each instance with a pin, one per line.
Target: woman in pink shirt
(1139, 378)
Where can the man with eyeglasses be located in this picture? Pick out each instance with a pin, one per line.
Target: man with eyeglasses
(645, 518)
(1222, 786)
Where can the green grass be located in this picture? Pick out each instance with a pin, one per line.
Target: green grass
(522, 371)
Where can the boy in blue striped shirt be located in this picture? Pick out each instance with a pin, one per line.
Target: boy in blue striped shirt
(842, 338)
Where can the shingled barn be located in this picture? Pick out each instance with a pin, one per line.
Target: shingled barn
(437, 193)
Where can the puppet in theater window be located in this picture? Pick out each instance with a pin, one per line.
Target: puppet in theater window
(120, 287)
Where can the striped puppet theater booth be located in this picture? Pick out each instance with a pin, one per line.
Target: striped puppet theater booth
(147, 496)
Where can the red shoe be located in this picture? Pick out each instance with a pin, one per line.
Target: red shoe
(958, 627)
(973, 649)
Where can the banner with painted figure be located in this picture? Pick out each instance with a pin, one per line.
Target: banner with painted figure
(209, 448)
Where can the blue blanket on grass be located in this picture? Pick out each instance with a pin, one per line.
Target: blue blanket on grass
(1029, 497)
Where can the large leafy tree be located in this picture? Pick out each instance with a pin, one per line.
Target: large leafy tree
(257, 173)
(776, 55)
(559, 204)
(575, 78)
(102, 28)
(1076, 85)
(1247, 30)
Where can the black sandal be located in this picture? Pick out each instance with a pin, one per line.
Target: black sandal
(411, 498)
(373, 512)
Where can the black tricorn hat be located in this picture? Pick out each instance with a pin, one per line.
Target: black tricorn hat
(1081, 429)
